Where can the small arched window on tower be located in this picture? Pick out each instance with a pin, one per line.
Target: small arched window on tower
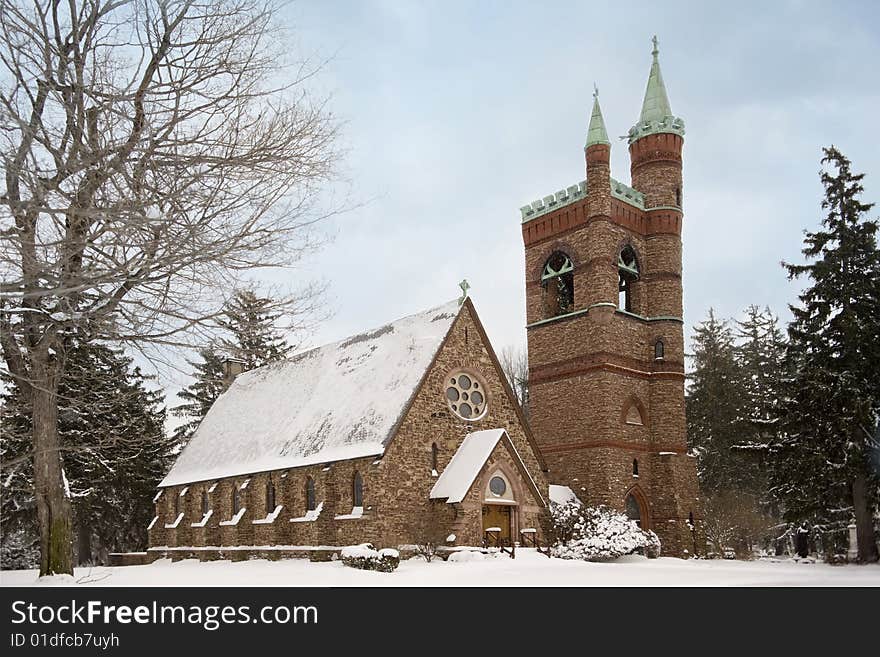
(434, 454)
(628, 274)
(270, 497)
(635, 467)
(678, 197)
(310, 494)
(557, 279)
(658, 350)
(358, 490)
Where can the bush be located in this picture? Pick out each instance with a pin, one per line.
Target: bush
(366, 557)
(598, 534)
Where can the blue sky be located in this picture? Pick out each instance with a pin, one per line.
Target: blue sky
(456, 114)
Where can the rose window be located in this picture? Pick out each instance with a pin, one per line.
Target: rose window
(465, 396)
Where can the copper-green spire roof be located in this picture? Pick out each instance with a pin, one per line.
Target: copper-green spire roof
(597, 134)
(656, 113)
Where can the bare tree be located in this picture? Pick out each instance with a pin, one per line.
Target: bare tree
(515, 363)
(153, 152)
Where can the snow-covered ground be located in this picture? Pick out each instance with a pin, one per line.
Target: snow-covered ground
(528, 569)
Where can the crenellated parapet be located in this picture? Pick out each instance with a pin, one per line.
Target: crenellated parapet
(576, 193)
(555, 201)
(667, 124)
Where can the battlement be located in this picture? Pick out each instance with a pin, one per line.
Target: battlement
(668, 124)
(627, 194)
(560, 199)
(577, 192)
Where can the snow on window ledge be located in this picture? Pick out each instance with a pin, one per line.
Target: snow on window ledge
(183, 491)
(310, 516)
(245, 484)
(234, 519)
(493, 529)
(152, 522)
(213, 487)
(204, 520)
(356, 512)
(528, 530)
(668, 453)
(176, 522)
(158, 495)
(434, 473)
(269, 519)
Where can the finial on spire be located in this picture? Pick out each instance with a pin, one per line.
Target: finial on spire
(465, 286)
(656, 50)
(595, 91)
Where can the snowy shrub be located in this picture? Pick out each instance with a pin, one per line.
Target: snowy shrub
(597, 534)
(365, 557)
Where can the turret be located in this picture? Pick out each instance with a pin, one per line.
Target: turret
(598, 156)
(655, 144)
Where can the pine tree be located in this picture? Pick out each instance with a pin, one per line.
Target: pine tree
(114, 452)
(251, 322)
(830, 412)
(714, 404)
(760, 358)
(200, 395)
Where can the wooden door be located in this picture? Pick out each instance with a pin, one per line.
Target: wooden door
(498, 515)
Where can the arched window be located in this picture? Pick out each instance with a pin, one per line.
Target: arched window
(678, 196)
(176, 503)
(628, 273)
(204, 502)
(635, 467)
(236, 500)
(270, 497)
(633, 510)
(358, 490)
(310, 494)
(658, 350)
(557, 279)
(434, 452)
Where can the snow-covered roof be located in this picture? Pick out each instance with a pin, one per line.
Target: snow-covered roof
(340, 401)
(561, 494)
(456, 479)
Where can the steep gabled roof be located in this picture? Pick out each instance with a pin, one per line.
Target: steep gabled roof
(470, 457)
(340, 401)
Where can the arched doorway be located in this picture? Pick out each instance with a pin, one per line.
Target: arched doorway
(635, 509)
(499, 509)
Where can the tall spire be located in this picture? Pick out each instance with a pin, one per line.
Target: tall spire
(656, 103)
(656, 113)
(597, 134)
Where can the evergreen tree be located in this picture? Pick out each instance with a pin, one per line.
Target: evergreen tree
(114, 453)
(714, 404)
(200, 395)
(251, 321)
(760, 358)
(830, 412)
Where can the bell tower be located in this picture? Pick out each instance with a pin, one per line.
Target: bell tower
(604, 327)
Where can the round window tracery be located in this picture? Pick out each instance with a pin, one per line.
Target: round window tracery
(465, 396)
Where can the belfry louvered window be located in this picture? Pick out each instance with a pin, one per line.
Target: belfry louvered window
(557, 279)
(628, 274)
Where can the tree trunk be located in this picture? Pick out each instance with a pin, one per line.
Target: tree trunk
(864, 522)
(53, 503)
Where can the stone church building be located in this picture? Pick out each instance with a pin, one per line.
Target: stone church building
(410, 433)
